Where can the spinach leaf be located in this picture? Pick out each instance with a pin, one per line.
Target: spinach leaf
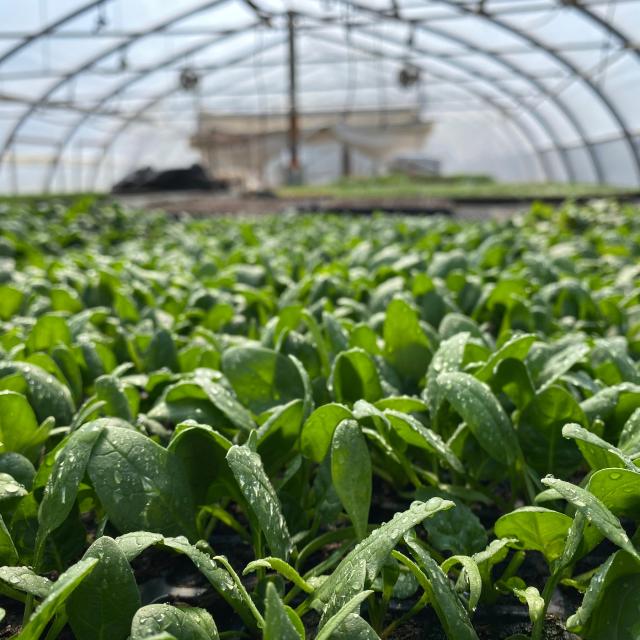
(103, 605)
(351, 473)
(261, 497)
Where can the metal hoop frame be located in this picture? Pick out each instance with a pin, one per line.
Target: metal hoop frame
(358, 9)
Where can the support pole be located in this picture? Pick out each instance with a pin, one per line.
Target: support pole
(346, 160)
(294, 176)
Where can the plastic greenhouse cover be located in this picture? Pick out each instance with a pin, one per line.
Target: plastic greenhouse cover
(83, 82)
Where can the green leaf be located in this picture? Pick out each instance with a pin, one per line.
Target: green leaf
(133, 544)
(536, 529)
(516, 347)
(162, 352)
(60, 591)
(597, 452)
(103, 605)
(110, 389)
(140, 484)
(609, 608)
(472, 574)
(406, 346)
(67, 472)
(10, 489)
(185, 623)
(64, 358)
(618, 490)
(49, 331)
(405, 404)
(338, 618)
(262, 378)
(261, 497)
(613, 405)
(540, 431)
(594, 511)
(19, 467)
(512, 377)
(485, 560)
(354, 377)
(452, 615)
(629, 440)
(204, 401)
(279, 436)
(560, 362)
(226, 403)
(46, 395)
(8, 551)
(374, 550)
(25, 579)
(351, 473)
(318, 429)
(283, 568)
(202, 451)
(416, 434)
(19, 430)
(448, 358)
(484, 415)
(354, 628)
(527, 595)
(457, 530)
(277, 623)
(10, 301)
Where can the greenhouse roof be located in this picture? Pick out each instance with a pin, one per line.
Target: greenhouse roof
(541, 89)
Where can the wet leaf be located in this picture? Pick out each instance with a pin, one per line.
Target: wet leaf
(536, 529)
(262, 378)
(185, 623)
(374, 550)
(595, 512)
(103, 605)
(277, 623)
(483, 415)
(354, 377)
(58, 594)
(261, 498)
(140, 484)
(452, 615)
(318, 429)
(351, 473)
(47, 396)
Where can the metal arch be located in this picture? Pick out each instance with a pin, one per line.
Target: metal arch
(569, 66)
(53, 26)
(457, 64)
(521, 127)
(123, 86)
(209, 4)
(513, 68)
(601, 22)
(471, 71)
(158, 28)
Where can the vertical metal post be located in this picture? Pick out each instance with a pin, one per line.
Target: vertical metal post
(15, 189)
(346, 160)
(294, 162)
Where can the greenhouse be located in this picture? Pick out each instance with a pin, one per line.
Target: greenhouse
(546, 89)
(320, 320)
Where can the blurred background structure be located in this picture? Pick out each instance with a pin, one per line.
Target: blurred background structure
(267, 92)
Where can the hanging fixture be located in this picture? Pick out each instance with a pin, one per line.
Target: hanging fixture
(408, 76)
(189, 79)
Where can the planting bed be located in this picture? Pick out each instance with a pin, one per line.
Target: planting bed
(319, 426)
